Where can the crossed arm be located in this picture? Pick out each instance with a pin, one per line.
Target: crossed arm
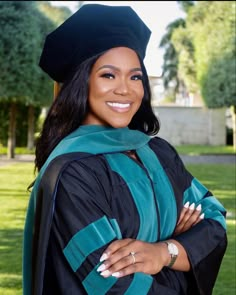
(116, 260)
(150, 258)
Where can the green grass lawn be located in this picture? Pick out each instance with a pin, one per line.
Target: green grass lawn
(182, 149)
(204, 149)
(14, 180)
(18, 151)
(220, 179)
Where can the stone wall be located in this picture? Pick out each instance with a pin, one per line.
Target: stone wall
(192, 125)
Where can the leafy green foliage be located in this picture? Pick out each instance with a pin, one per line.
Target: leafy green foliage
(206, 50)
(19, 38)
(210, 27)
(172, 76)
(49, 17)
(186, 66)
(42, 85)
(185, 5)
(216, 64)
(24, 27)
(170, 65)
(55, 14)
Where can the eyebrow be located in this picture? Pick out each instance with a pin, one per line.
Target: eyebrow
(117, 69)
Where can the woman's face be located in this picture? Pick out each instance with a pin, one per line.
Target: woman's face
(115, 88)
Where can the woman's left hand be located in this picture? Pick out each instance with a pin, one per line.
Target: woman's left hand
(118, 261)
(189, 217)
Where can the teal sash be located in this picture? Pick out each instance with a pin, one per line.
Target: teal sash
(94, 139)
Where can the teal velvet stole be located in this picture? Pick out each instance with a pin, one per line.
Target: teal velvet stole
(94, 139)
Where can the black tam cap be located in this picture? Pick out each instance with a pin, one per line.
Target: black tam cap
(93, 29)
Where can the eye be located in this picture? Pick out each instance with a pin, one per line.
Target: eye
(108, 76)
(137, 77)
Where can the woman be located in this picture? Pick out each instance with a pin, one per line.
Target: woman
(109, 212)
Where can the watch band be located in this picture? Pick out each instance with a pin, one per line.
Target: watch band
(173, 256)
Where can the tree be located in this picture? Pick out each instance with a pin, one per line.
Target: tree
(213, 24)
(57, 15)
(171, 75)
(186, 5)
(18, 40)
(48, 19)
(206, 52)
(23, 29)
(170, 64)
(182, 41)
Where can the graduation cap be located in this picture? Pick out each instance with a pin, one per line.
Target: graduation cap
(93, 29)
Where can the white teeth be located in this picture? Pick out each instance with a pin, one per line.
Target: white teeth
(118, 105)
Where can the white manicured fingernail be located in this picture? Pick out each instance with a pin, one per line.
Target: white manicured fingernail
(101, 267)
(192, 206)
(186, 205)
(199, 207)
(103, 257)
(105, 273)
(202, 216)
(116, 274)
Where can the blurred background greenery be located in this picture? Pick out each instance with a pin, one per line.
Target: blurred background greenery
(199, 57)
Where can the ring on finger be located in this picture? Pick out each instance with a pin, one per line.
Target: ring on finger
(133, 256)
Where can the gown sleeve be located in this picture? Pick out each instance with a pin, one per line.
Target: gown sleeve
(206, 242)
(82, 228)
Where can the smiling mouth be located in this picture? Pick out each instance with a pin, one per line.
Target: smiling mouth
(119, 107)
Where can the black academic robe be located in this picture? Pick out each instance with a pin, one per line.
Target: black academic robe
(87, 201)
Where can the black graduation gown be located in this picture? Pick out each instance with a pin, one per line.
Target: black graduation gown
(83, 196)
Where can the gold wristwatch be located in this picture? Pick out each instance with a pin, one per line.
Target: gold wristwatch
(173, 251)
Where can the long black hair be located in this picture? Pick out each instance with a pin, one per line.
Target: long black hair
(145, 119)
(70, 108)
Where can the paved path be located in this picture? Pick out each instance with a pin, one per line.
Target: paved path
(18, 159)
(201, 159)
(209, 159)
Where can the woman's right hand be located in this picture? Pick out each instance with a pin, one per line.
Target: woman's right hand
(189, 217)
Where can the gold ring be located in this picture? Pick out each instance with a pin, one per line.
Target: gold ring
(133, 257)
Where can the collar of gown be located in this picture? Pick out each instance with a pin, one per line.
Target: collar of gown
(98, 139)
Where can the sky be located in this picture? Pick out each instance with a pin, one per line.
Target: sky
(156, 14)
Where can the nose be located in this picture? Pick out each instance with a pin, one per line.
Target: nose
(122, 87)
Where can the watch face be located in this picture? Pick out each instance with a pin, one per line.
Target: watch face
(173, 249)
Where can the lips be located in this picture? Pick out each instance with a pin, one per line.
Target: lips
(119, 106)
